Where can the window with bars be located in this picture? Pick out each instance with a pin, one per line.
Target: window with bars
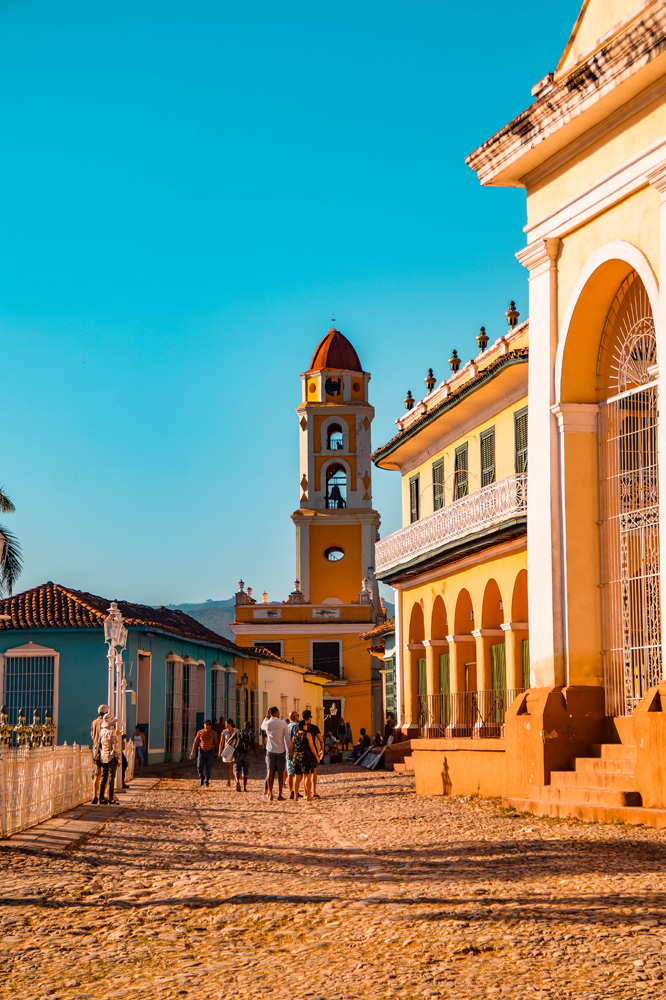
(413, 499)
(488, 456)
(29, 682)
(217, 694)
(284, 706)
(460, 481)
(520, 428)
(438, 484)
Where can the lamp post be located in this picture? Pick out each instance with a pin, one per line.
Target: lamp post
(115, 635)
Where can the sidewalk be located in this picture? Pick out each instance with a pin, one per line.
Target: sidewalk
(60, 832)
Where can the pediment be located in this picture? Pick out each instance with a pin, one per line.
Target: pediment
(597, 22)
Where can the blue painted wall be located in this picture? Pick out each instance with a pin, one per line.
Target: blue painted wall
(83, 675)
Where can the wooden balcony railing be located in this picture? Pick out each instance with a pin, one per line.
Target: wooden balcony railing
(466, 714)
(486, 508)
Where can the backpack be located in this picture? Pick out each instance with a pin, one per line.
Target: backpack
(244, 742)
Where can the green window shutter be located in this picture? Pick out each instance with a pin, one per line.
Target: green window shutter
(438, 484)
(460, 478)
(423, 686)
(389, 677)
(520, 427)
(488, 456)
(413, 499)
(526, 663)
(498, 661)
(444, 681)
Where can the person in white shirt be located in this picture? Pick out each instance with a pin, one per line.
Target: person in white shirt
(277, 749)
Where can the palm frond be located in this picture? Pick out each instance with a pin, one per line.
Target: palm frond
(12, 561)
(6, 506)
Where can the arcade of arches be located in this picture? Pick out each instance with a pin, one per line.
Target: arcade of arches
(467, 634)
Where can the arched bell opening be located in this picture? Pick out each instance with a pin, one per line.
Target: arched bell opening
(336, 487)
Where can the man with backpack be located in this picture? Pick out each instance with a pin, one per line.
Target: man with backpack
(246, 741)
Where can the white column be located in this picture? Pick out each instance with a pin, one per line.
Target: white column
(657, 179)
(544, 543)
(399, 658)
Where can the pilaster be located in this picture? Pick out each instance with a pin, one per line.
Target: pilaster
(543, 513)
(657, 179)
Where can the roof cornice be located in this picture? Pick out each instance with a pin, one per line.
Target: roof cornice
(557, 109)
(490, 373)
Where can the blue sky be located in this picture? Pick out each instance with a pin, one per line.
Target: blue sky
(189, 192)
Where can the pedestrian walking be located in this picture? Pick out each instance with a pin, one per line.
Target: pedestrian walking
(315, 733)
(246, 743)
(228, 742)
(305, 757)
(349, 740)
(95, 729)
(109, 757)
(205, 746)
(139, 739)
(292, 728)
(277, 749)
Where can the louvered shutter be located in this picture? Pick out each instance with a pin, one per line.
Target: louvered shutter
(460, 484)
(520, 419)
(438, 484)
(488, 457)
(414, 499)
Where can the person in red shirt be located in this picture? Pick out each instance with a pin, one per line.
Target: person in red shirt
(206, 743)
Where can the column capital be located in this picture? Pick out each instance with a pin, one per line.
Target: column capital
(467, 637)
(541, 255)
(412, 646)
(485, 633)
(514, 627)
(575, 418)
(435, 642)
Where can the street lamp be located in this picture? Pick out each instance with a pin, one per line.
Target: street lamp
(115, 635)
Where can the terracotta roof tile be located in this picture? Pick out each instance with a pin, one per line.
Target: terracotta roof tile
(54, 606)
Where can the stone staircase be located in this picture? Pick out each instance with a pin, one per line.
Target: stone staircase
(599, 788)
(404, 765)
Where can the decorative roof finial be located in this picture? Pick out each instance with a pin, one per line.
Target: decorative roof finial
(454, 361)
(430, 381)
(512, 315)
(409, 400)
(482, 339)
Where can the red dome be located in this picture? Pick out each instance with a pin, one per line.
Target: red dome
(335, 351)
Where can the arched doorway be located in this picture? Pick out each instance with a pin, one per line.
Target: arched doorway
(628, 467)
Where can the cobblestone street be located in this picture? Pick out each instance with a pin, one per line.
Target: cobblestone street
(368, 892)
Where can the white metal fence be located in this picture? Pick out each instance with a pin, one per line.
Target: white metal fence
(40, 783)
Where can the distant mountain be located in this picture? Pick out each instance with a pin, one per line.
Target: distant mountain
(217, 615)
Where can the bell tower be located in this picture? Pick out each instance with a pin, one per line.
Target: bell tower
(336, 526)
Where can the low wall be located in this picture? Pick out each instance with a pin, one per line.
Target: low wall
(649, 730)
(459, 766)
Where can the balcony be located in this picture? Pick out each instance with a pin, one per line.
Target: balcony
(487, 508)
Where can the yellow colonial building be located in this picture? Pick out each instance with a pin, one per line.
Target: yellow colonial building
(588, 736)
(334, 601)
(458, 566)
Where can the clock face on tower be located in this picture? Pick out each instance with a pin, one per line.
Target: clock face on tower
(333, 386)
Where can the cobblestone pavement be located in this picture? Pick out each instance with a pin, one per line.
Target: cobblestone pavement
(367, 892)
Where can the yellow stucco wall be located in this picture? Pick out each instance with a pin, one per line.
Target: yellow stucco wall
(503, 423)
(587, 168)
(596, 20)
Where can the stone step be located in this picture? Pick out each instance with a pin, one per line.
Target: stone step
(632, 815)
(586, 796)
(404, 765)
(604, 765)
(584, 779)
(613, 750)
